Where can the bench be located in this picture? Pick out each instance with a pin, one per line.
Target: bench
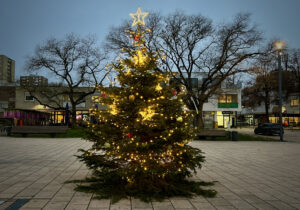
(25, 130)
(4, 130)
(213, 133)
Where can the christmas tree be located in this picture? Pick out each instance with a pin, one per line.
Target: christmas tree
(140, 142)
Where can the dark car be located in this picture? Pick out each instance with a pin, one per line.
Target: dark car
(268, 129)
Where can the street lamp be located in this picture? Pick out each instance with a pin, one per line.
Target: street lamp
(279, 45)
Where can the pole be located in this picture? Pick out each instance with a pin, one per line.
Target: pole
(280, 95)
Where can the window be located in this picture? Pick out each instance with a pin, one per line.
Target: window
(295, 102)
(227, 98)
(28, 97)
(3, 104)
(227, 101)
(193, 82)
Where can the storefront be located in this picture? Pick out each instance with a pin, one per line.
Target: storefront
(27, 117)
(226, 118)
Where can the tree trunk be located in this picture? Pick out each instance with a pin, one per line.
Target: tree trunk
(199, 116)
(267, 106)
(73, 115)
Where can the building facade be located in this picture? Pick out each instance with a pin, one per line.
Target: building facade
(7, 98)
(7, 71)
(222, 108)
(290, 112)
(25, 101)
(33, 81)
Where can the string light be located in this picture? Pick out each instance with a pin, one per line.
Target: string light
(150, 120)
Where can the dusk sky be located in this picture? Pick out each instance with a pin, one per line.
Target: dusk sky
(26, 23)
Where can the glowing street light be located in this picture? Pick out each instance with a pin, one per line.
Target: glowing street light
(279, 45)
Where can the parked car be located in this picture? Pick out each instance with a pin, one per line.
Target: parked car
(268, 129)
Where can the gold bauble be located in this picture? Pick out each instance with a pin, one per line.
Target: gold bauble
(179, 119)
(131, 97)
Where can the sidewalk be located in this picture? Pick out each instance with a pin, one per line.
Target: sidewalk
(250, 175)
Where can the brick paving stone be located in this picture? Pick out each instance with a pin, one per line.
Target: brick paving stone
(203, 206)
(56, 205)
(103, 203)
(164, 205)
(121, 204)
(138, 204)
(295, 205)
(35, 203)
(252, 199)
(6, 204)
(76, 207)
(181, 204)
(198, 199)
(281, 205)
(119, 207)
(219, 202)
(241, 204)
(264, 206)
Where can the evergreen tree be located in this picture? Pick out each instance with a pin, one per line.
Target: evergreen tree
(140, 142)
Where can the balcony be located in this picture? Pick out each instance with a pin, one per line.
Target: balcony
(228, 105)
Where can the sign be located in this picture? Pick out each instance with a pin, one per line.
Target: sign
(227, 112)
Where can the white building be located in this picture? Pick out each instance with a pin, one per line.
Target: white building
(222, 108)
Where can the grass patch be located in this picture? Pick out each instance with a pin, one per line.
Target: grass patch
(71, 133)
(241, 137)
(245, 137)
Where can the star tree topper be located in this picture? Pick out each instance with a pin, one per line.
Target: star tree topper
(138, 17)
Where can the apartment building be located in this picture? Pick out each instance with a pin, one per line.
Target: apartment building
(7, 71)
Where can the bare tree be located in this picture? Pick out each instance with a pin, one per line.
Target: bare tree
(194, 47)
(264, 83)
(294, 64)
(73, 62)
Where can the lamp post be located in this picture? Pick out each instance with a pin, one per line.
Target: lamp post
(279, 46)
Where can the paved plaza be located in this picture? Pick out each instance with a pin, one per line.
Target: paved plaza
(250, 175)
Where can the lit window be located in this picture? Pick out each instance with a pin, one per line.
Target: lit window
(227, 98)
(295, 102)
(222, 99)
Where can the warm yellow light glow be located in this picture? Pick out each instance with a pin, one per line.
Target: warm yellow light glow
(158, 87)
(113, 110)
(138, 17)
(139, 59)
(179, 119)
(279, 45)
(148, 113)
(128, 72)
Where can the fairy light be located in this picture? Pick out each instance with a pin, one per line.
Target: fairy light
(148, 111)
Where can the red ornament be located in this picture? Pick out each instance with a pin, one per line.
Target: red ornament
(174, 92)
(103, 95)
(136, 38)
(130, 135)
